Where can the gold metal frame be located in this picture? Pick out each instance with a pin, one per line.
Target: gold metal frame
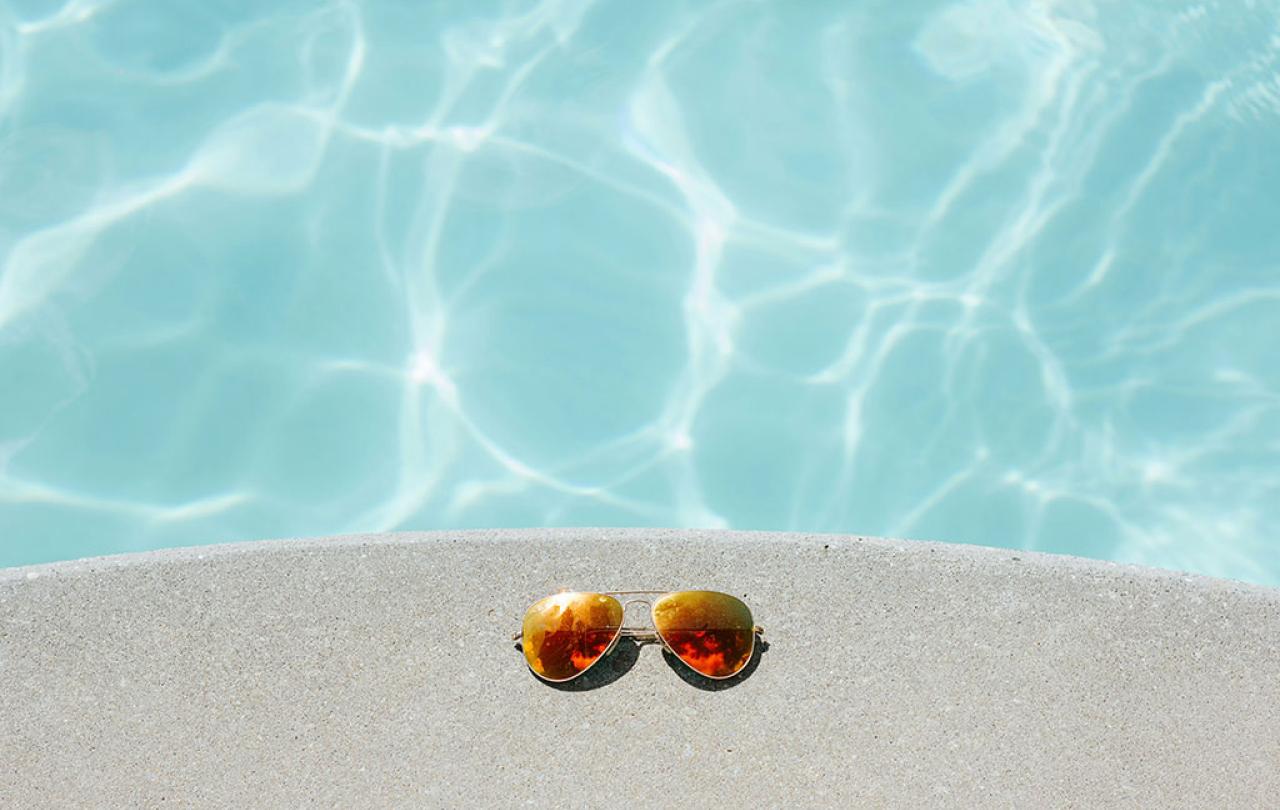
(643, 635)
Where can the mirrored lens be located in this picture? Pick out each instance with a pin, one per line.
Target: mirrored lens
(711, 632)
(567, 633)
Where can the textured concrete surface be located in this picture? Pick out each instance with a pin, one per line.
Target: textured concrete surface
(379, 671)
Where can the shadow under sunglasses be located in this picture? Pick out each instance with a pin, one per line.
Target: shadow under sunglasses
(623, 657)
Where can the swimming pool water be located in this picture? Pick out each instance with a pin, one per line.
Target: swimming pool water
(993, 272)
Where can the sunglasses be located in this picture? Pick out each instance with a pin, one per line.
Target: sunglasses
(564, 635)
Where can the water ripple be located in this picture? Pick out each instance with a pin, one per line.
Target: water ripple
(988, 271)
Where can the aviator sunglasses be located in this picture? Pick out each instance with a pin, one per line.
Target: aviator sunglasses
(564, 635)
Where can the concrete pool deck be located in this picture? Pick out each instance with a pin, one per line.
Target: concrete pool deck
(371, 671)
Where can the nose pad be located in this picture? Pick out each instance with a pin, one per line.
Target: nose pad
(636, 614)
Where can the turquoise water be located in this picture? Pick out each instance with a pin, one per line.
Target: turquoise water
(992, 272)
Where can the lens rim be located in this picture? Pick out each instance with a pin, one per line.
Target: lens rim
(613, 642)
(653, 617)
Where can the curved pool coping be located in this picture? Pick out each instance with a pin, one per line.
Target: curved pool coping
(379, 670)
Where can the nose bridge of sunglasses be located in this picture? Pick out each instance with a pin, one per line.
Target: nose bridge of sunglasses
(636, 619)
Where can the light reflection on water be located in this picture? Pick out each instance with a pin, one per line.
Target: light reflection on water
(994, 272)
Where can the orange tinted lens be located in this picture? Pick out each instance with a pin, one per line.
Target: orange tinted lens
(711, 632)
(567, 633)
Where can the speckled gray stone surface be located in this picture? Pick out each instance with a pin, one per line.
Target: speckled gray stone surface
(379, 671)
